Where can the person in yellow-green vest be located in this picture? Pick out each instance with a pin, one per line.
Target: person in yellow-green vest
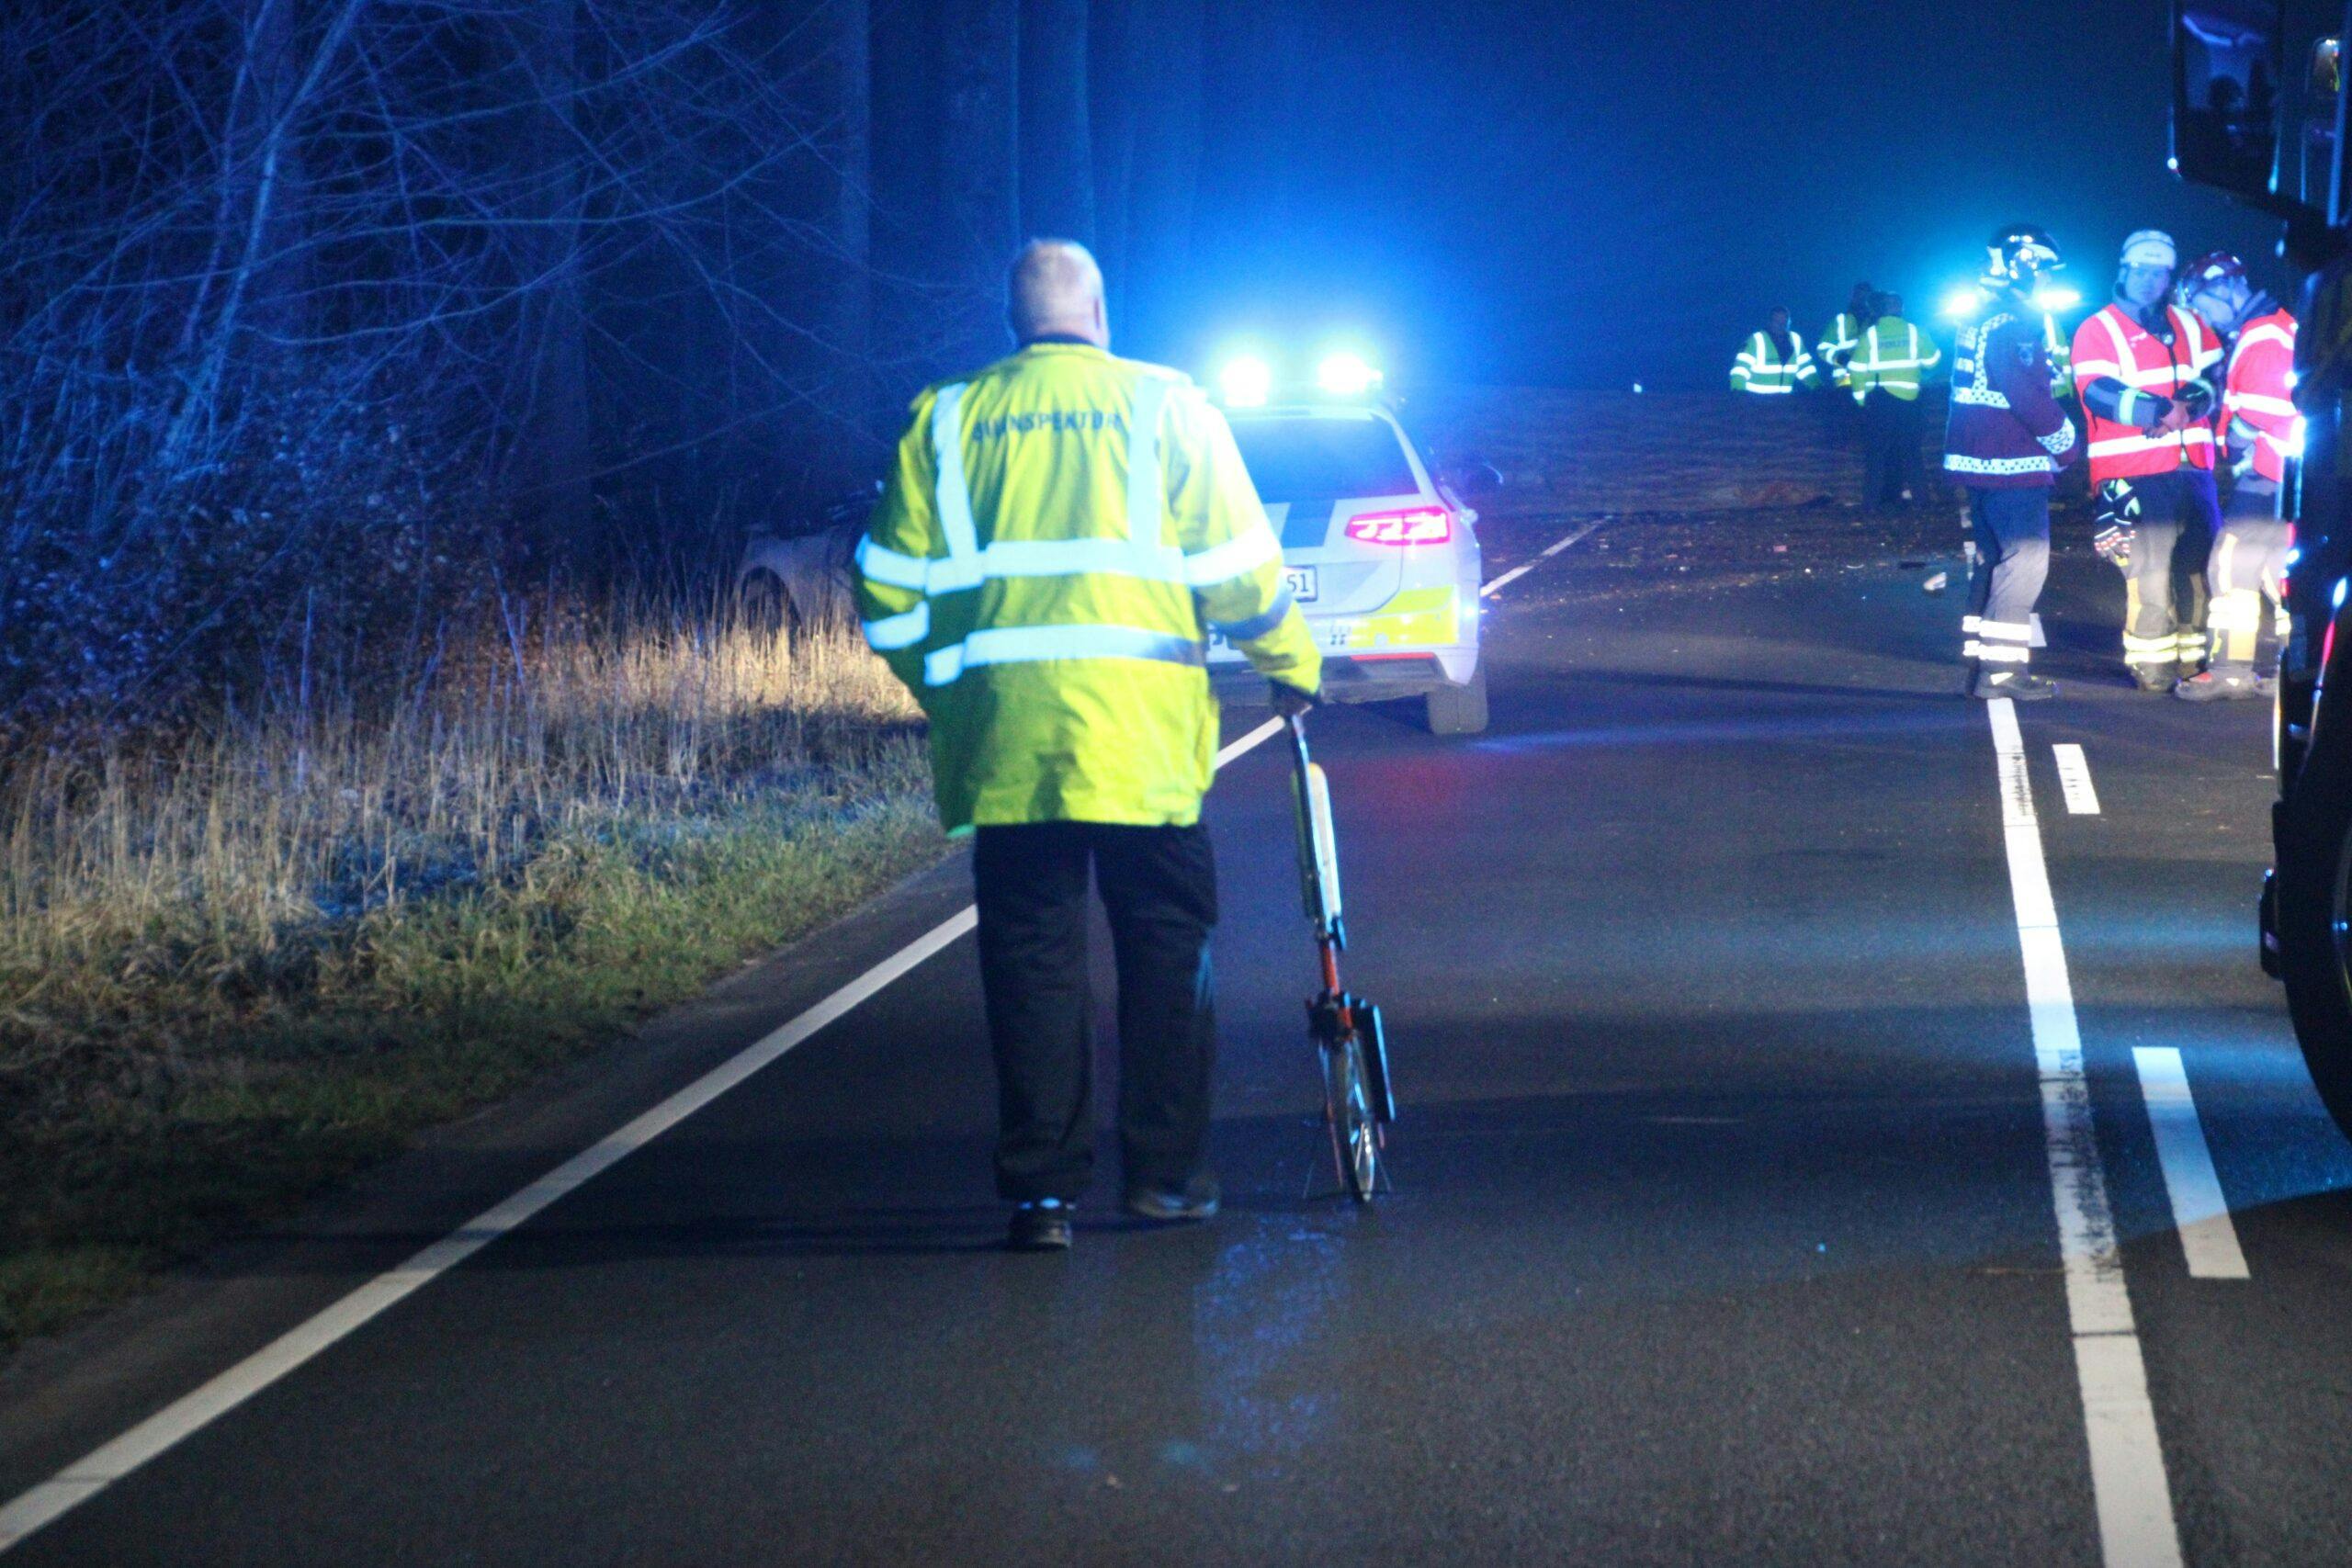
(1772, 363)
(1844, 333)
(1059, 534)
(1885, 373)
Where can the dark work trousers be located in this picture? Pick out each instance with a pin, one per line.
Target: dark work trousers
(2165, 592)
(2246, 577)
(1159, 888)
(2012, 529)
(1891, 430)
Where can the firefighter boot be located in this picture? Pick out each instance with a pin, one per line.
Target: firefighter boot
(2221, 683)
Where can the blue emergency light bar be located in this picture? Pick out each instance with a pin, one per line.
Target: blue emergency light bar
(1247, 380)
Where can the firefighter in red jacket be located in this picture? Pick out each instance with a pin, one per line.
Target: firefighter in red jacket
(2005, 440)
(2144, 366)
(2248, 565)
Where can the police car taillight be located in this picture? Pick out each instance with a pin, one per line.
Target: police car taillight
(1416, 525)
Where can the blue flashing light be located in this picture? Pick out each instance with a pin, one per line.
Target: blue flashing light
(1246, 381)
(1345, 375)
(2051, 300)
(1962, 303)
(2341, 584)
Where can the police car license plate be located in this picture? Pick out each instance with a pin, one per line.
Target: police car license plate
(1301, 581)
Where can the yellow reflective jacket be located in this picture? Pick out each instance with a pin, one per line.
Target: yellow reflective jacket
(1057, 537)
(1895, 356)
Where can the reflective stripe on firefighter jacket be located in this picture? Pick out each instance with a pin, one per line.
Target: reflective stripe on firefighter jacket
(1838, 341)
(2261, 390)
(1764, 366)
(1892, 354)
(2112, 345)
(1058, 538)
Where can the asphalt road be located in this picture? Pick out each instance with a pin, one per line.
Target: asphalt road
(1723, 1233)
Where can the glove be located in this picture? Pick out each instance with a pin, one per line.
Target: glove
(2114, 514)
(2198, 398)
(1289, 700)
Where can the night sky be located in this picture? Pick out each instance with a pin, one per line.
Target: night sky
(1592, 195)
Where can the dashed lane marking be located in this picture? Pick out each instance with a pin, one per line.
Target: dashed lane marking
(191, 1412)
(2130, 1490)
(2074, 779)
(2207, 1237)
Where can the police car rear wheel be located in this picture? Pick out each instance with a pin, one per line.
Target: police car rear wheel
(1459, 710)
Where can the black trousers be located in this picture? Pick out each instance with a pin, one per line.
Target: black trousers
(1159, 888)
(1891, 431)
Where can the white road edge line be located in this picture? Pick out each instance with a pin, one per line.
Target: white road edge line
(2208, 1236)
(2033, 619)
(2074, 779)
(191, 1412)
(1554, 549)
(2128, 1487)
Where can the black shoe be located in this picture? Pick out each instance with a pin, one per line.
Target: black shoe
(2015, 685)
(1041, 1226)
(1194, 1199)
(2153, 682)
(2215, 686)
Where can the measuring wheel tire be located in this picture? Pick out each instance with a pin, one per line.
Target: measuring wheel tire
(1352, 1123)
(1459, 710)
(2315, 919)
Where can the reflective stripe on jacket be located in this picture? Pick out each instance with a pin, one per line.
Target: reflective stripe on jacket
(1057, 537)
(1762, 367)
(1838, 341)
(1892, 354)
(2261, 389)
(2111, 345)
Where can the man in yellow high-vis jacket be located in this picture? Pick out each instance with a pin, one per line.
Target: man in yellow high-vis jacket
(1058, 536)
(1885, 373)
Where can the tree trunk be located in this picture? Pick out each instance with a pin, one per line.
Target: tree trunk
(1165, 65)
(1057, 154)
(553, 454)
(980, 153)
(1112, 123)
(848, 89)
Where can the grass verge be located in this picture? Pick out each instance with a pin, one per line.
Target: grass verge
(239, 965)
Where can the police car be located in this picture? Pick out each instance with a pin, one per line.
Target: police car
(1382, 555)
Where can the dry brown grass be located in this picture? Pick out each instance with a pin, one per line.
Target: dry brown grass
(237, 963)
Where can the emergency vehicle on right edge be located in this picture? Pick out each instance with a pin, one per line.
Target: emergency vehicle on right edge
(2258, 113)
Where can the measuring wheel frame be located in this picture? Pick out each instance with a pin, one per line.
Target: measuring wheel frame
(1351, 1045)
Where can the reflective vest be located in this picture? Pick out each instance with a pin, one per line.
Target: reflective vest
(1892, 354)
(1058, 538)
(1838, 341)
(2111, 343)
(2261, 389)
(1761, 367)
(2061, 359)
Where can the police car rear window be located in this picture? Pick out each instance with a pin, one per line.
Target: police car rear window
(1323, 459)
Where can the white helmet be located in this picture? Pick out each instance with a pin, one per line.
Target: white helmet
(2151, 247)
